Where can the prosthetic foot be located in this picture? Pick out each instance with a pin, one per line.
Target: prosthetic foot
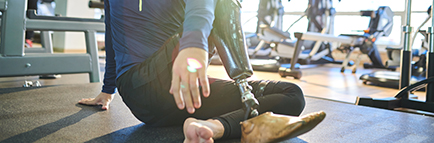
(228, 37)
(269, 127)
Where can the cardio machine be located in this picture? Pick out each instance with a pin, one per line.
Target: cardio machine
(264, 56)
(418, 68)
(380, 24)
(401, 99)
(291, 51)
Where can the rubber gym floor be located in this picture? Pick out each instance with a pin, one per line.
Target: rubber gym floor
(51, 114)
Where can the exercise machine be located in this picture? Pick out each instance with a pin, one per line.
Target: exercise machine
(418, 73)
(96, 4)
(320, 14)
(43, 7)
(394, 53)
(401, 99)
(380, 25)
(270, 13)
(321, 41)
(15, 61)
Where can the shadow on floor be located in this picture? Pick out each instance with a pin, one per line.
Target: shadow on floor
(18, 89)
(143, 134)
(47, 129)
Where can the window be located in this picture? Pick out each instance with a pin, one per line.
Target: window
(348, 19)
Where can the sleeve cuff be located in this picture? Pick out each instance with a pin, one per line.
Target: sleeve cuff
(193, 39)
(109, 90)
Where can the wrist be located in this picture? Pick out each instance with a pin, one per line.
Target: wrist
(106, 94)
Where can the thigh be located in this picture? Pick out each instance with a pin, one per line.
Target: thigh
(274, 96)
(145, 87)
(224, 97)
(267, 87)
(155, 106)
(279, 97)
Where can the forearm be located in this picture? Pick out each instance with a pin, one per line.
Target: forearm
(109, 85)
(199, 17)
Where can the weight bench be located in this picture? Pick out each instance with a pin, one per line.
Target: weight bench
(15, 61)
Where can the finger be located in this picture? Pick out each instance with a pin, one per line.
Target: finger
(88, 101)
(194, 90)
(105, 105)
(171, 86)
(203, 79)
(175, 91)
(185, 88)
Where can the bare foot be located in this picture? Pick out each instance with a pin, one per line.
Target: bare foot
(103, 99)
(202, 131)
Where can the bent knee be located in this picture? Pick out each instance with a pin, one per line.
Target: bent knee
(288, 88)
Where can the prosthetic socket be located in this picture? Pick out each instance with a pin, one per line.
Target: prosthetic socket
(228, 37)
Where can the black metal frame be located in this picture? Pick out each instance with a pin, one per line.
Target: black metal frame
(401, 100)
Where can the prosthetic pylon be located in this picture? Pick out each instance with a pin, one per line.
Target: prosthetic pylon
(228, 37)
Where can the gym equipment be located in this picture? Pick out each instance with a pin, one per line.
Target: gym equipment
(228, 37)
(43, 7)
(270, 12)
(391, 79)
(394, 53)
(380, 25)
(32, 84)
(96, 4)
(320, 14)
(320, 37)
(14, 61)
(402, 100)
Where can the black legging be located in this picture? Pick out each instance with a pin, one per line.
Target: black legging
(145, 90)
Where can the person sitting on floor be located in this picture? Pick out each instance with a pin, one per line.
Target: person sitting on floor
(148, 46)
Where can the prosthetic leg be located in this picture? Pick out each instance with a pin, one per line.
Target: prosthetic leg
(228, 37)
(229, 40)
